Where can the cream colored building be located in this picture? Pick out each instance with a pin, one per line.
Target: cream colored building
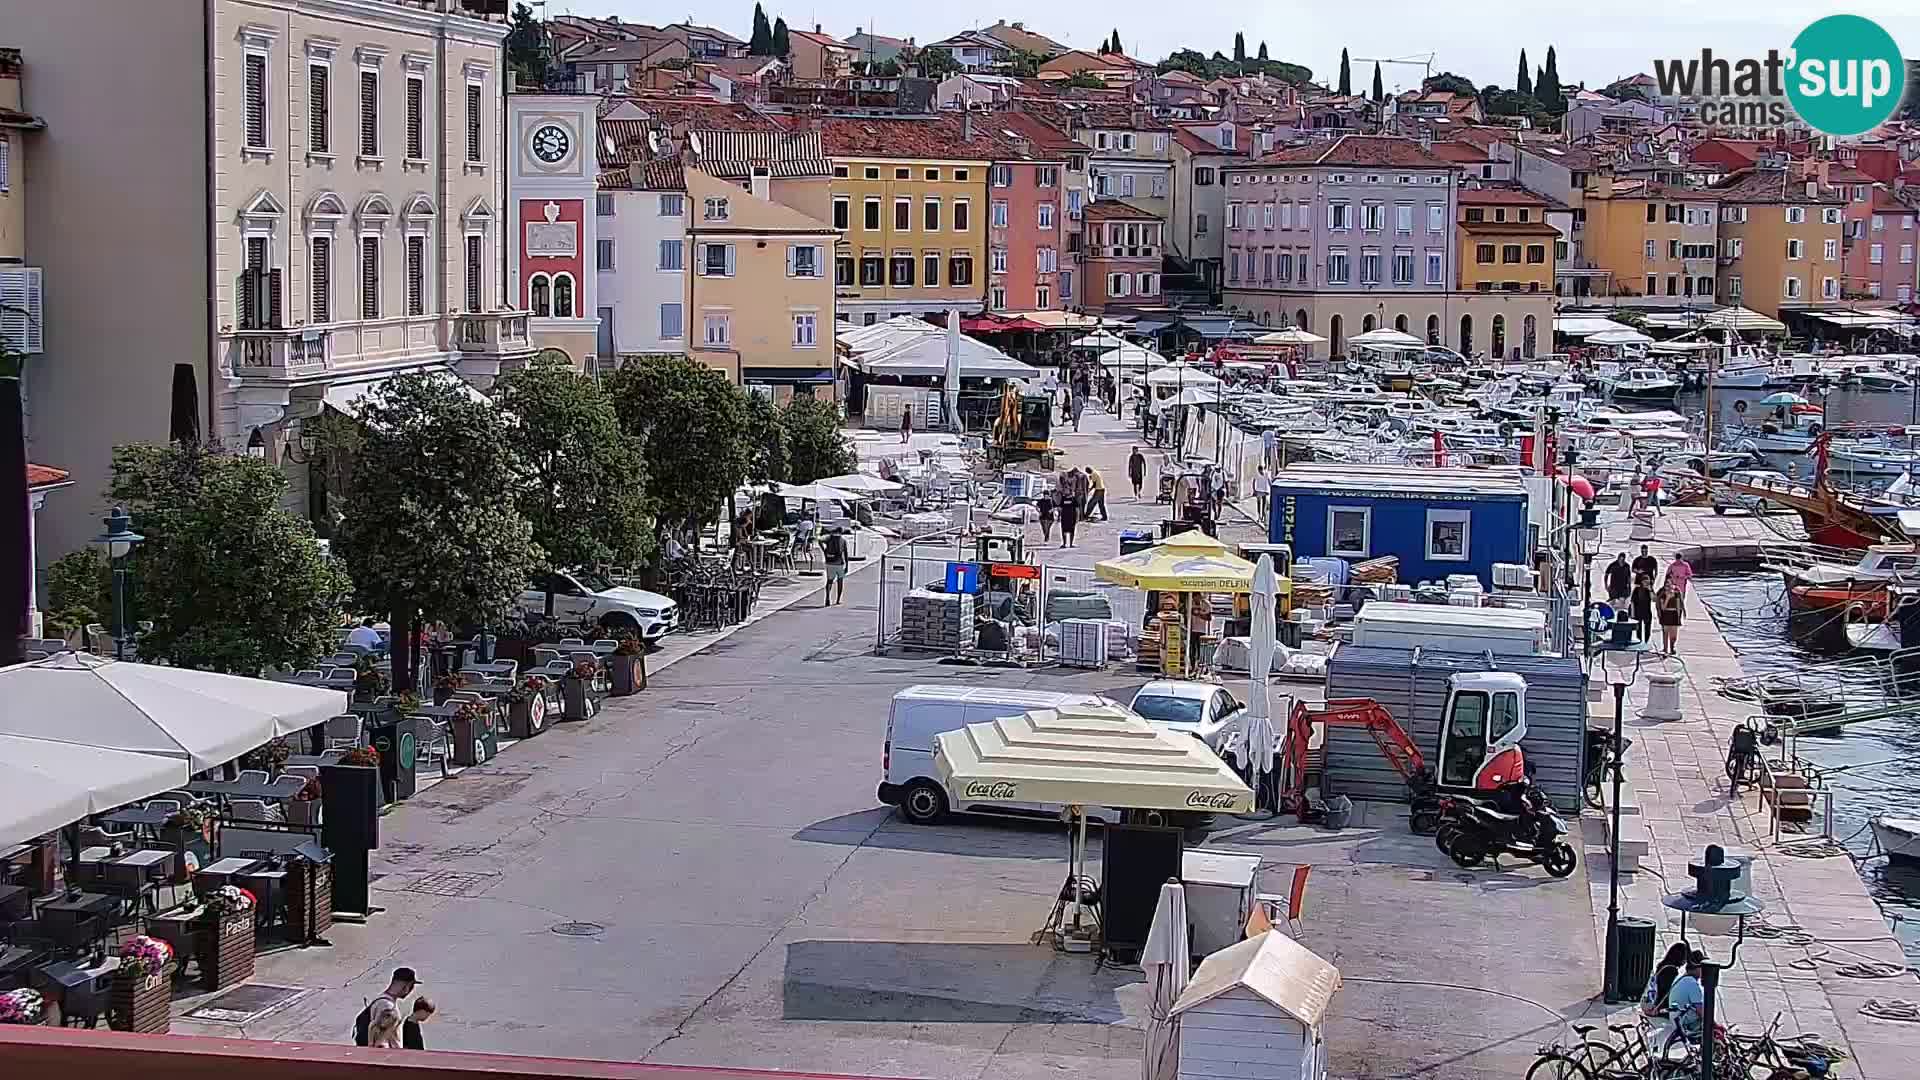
(760, 293)
(253, 210)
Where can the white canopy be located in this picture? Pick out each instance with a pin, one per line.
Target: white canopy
(1086, 755)
(1585, 325)
(906, 346)
(1739, 318)
(1625, 336)
(1384, 338)
(45, 785)
(1198, 395)
(1132, 358)
(811, 492)
(1292, 336)
(862, 483)
(1182, 375)
(206, 718)
(1099, 339)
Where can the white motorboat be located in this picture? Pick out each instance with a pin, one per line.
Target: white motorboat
(1749, 373)
(1880, 563)
(1898, 837)
(1870, 458)
(1643, 384)
(1868, 376)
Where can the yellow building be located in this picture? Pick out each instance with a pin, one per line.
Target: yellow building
(1656, 240)
(1780, 233)
(911, 208)
(758, 295)
(1506, 244)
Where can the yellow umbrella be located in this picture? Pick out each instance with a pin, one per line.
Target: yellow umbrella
(1189, 562)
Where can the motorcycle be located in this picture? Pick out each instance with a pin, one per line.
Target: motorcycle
(1519, 823)
(1452, 812)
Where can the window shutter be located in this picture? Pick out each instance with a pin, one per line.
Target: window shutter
(729, 250)
(474, 103)
(416, 107)
(792, 258)
(416, 275)
(256, 102)
(475, 268)
(274, 321)
(370, 277)
(20, 326)
(370, 114)
(317, 108)
(321, 257)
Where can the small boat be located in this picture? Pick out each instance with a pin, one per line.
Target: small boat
(1750, 373)
(1898, 837)
(1878, 565)
(1867, 376)
(1643, 384)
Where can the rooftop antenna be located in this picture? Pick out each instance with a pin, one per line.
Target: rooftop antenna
(693, 143)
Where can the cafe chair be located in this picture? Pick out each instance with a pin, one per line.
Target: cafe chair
(248, 810)
(343, 732)
(565, 641)
(544, 655)
(310, 673)
(170, 806)
(98, 836)
(435, 741)
(253, 776)
(309, 771)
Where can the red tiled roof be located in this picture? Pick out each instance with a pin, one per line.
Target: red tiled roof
(930, 138)
(1516, 228)
(1117, 210)
(1198, 144)
(1847, 174)
(706, 113)
(1884, 200)
(1108, 113)
(44, 476)
(1746, 149)
(1360, 151)
(1771, 186)
(659, 174)
(1499, 196)
(1460, 153)
(1044, 136)
(818, 39)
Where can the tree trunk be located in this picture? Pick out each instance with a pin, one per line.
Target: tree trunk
(13, 518)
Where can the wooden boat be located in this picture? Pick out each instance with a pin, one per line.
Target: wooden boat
(1899, 837)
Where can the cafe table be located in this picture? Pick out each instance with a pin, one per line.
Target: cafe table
(16, 902)
(330, 757)
(137, 817)
(283, 787)
(212, 877)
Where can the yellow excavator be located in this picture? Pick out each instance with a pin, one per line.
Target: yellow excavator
(1024, 428)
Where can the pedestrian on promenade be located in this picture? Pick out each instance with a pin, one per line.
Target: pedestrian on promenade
(1687, 996)
(1619, 579)
(906, 425)
(1679, 573)
(1262, 487)
(1646, 565)
(1653, 1003)
(1045, 505)
(1096, 494)
(1079, 406)
(1137, 471)
(1672, 605)
(410, 1031)
(379, 1023)
(834, 550)
(1642, 603)
(1069, 517)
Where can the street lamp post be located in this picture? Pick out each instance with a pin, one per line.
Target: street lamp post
(119, 539)
(1622, 667)
(1587, 538)
(1713, 893)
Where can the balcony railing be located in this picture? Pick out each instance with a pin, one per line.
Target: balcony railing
(499, 333)
(278, 353)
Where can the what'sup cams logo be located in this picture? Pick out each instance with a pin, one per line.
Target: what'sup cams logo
(1843, 75)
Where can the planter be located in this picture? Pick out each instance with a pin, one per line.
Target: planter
(224, 949)
(579, 697)
(471, 744)
(628, 674)
(309, 899)
(528, 718)
(141, 1004)
(302, 812)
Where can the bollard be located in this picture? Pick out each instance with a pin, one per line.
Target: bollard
(1663, 696)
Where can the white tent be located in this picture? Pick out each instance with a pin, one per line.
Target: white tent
(1585, 325)
(1131, 358)
(1197, 395)
(1182, 375)
(1384, 338)
(1165, 958)
(203, 717)
(1292, 336)
(1259, 720)
(1627, 336)
(1099, 339)
(860, 483)
(45, 785)
(1739, 318)
(812, 492)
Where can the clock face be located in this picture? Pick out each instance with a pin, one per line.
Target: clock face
(550, 143)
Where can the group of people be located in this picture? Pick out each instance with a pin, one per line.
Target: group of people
(1630, 587)
(1079, 495)
(1674, 992)
(383, 1024)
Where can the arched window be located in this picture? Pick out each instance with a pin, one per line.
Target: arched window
(1498, 347)
(1528, 329)
(1433, 329)
(1466, 335)
(540, 295)
(1336, 345)
(1300, 319)
(1366, 324)
(563, 296)
(1400, 323)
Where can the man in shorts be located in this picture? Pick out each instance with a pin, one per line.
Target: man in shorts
(834, 549)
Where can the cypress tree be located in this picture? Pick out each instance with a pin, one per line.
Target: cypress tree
(781, 45)
(1547, 87)
(1379, 90)
(1345, 88)
(1239, 47)
(761, 43)
(1523, 82)
(1114, 46)
(1263, 50)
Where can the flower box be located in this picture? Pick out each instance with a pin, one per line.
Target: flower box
(309, 899)
(23, 1006)
(527, 718)
(579, 698)
(627, 673)
(141, 1003)
(223, 944)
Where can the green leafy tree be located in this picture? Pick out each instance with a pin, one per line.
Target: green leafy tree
(1239, 47)
(230, 581)
(1523, 81)
(79, 588)
(1449, 83)
(885, 69)
(766, 438)
(931, 63)
(432, 531)
(1023, 64)
(1547, 86)
(1084, 80)
(1263, 51)
(760, 43)
(1379, 89)
(691, 423)
(581, 482)
(816, 447)
(527, 47)
(1346, 75)
(782, 46)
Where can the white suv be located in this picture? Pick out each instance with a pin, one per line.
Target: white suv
(583, 597)
(1204, 710)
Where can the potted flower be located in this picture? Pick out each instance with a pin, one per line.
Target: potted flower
(271, 757)
(580, 690)
(627, 667)
(527, 706)
(304, 807)
(223, 936)
(468, 732)
(141, 998)
(369, 681)
(445, 685)
(364, 756)
(23, 1007)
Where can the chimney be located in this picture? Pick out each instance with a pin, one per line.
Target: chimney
(966, 123)
(816, 28)
(857, 31)
(760, 182)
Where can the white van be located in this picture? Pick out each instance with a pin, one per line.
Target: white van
(907, 778)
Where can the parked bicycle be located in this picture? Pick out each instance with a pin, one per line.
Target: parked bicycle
(1743, 757)
(1600, 757)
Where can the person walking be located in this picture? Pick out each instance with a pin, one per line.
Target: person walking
(1645, 565)
(410, 1030)
(1096, 494)
(1619, 579)
(834, 550)
(1642, 604)
(1679, 573)
(1137, 471)
(1069, 516)
(906, 425)
(379, 1023)
(1262, 487)
(1672, 607)
(1044, 504)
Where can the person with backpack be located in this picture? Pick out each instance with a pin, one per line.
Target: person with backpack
(834, 550)
(410, 1038)
(379, 1023)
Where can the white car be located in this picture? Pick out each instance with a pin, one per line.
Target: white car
(1204, 710)
(582, 597)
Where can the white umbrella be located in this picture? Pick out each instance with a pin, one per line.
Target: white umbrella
(1294, 336)
(1166, 959)
(811, 492)
(1384, 338)
(206, 718)
(46, 785)
(864, 483)
(1198, 395)
(1099, 339)
(1784, 397)
(1180, 374)
(1258, 724)
(1619, 337)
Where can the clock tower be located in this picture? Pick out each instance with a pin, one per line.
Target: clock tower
(552, 177)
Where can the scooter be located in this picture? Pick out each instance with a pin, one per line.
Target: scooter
(1530, 831)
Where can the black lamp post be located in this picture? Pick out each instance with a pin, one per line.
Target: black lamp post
(1713, 893)
(1587, 537)
(119, 539)
(1622, 668)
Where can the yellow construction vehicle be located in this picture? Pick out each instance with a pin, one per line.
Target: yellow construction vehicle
(1024, 428)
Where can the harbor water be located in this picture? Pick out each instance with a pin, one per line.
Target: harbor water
(1892, 410)
(1879, 760)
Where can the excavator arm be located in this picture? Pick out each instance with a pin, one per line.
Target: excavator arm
(1394, 743)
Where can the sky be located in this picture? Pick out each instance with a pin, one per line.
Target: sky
(1480, 39)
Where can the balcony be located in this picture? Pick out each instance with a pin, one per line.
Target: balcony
(499, 334)
(291, 354)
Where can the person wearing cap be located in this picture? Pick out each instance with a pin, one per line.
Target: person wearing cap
(380, 1021)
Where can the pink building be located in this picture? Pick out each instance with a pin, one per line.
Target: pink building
(1879, 240)
(1027, 220)
(1124, 246)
